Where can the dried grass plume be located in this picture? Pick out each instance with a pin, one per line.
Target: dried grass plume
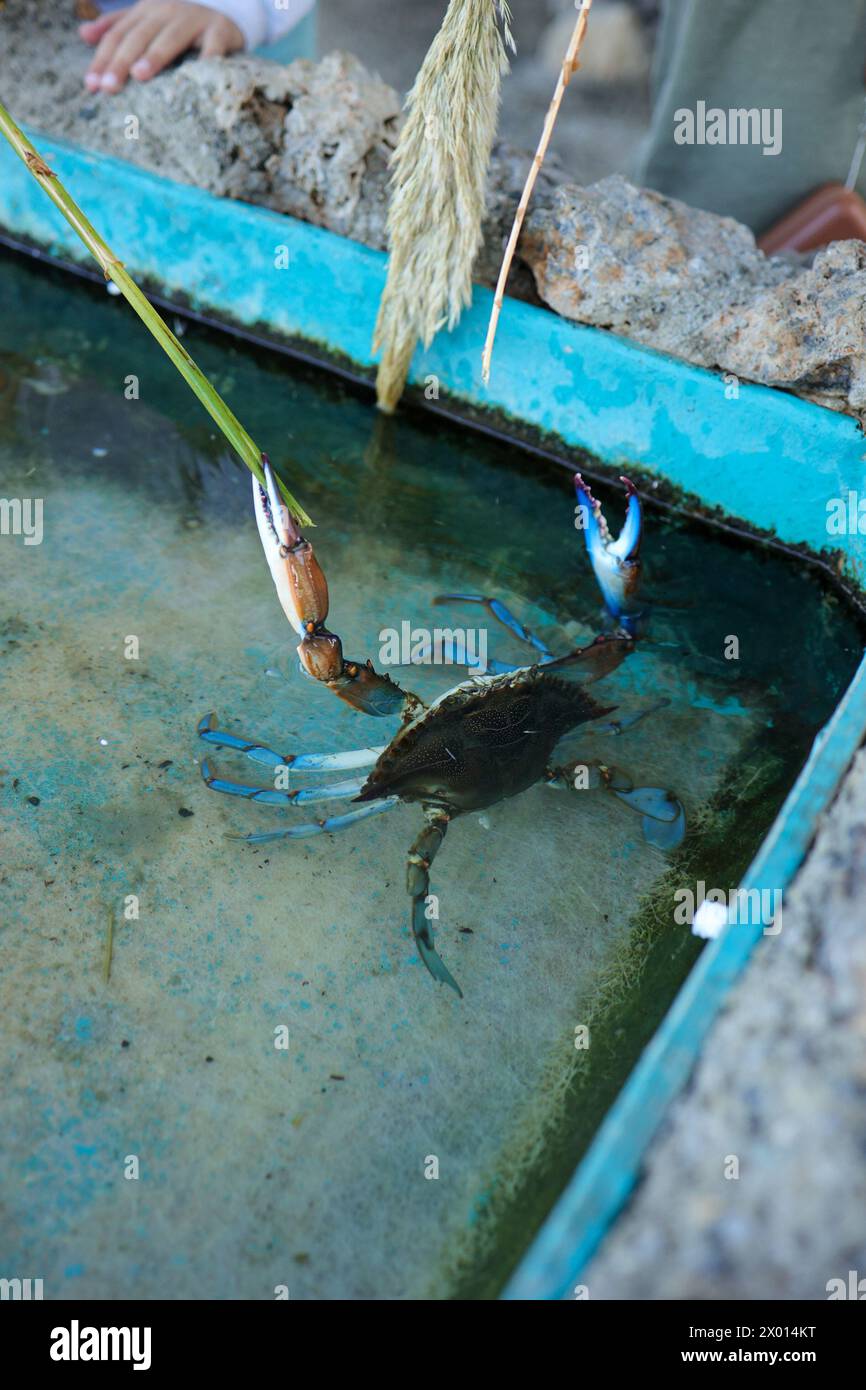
(438, 186)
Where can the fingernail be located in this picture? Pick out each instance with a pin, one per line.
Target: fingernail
(91, 81)
(109, 81)
(141, 68)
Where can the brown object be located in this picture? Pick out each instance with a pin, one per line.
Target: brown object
(832, 213)
(570, 66)
(85, 9)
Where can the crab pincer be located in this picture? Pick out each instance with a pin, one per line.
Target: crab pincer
(303, 593)
(616, 563)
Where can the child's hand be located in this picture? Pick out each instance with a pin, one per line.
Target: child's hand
(145, 38)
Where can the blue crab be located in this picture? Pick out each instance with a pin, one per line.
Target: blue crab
(487, 738)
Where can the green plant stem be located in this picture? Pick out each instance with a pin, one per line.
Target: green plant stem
(108, 952)
(113, 269)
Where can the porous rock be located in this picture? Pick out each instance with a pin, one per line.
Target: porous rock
(643, 265)
(694, 285)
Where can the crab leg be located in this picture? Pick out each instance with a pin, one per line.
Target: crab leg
(616, 563)
(562, 775)
(592, 663)
(492, 666)
(454, 655)
(620, 726)
(270, 796)
(299, 762)
(321, 827)
(303, 592)
(585, 664)
(420, 857)
(503, 615)
(663, 818)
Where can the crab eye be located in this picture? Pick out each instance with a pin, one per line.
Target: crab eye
(352, 671)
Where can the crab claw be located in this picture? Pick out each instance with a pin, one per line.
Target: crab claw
(301, 586)
(615, 563)
(303, 593)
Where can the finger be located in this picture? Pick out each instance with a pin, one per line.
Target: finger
(219, 38)
(174, 39)
(105, 51)
(93, 29)
(131, 47)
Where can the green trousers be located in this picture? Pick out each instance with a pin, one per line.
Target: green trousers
(803, 59)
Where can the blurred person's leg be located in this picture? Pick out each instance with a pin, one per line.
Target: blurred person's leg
(803, 58)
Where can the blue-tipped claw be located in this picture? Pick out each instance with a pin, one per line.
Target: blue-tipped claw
(665, 835)
(615, 563)
(663, 818)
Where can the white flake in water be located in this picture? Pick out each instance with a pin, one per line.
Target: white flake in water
(99, 453)
(484, 821)
(709, 919)
(112, 288)
(104, 742)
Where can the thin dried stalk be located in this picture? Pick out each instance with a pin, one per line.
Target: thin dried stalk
(108, 951)
(570, 66)
(438, 188)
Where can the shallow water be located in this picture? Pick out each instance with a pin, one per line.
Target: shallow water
(305, 1167)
